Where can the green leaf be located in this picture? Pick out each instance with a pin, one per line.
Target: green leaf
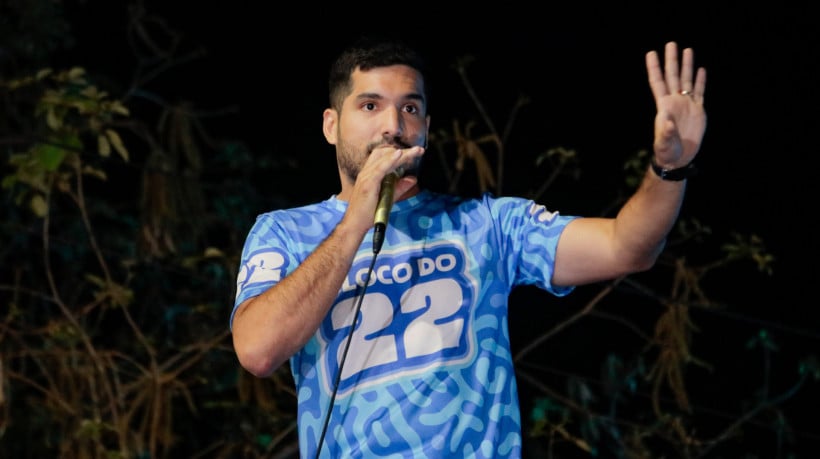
(50, 156)
(38, 205)
(116, 142)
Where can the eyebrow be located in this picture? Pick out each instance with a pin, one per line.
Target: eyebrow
(373, 95)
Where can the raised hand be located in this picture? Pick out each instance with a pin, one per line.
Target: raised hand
(681, 119)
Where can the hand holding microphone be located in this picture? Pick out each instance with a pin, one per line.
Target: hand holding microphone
(386, 196)
(407, 159)
(383, 207)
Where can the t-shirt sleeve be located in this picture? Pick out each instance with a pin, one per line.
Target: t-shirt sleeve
(531, 233)
(265, 260)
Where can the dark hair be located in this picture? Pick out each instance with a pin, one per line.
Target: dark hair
(367, 53)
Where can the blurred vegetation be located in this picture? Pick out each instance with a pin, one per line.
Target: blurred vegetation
(120, 237)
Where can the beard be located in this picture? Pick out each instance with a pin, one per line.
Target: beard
(351, 159)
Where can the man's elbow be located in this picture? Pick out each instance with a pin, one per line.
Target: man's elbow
(644, 264)
(258, 362)
(647, 259)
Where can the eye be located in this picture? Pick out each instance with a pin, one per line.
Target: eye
(411, 109)
(369, 107)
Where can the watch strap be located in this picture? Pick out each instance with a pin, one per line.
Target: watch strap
(675, 175)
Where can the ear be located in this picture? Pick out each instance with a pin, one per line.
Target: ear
(330, 118)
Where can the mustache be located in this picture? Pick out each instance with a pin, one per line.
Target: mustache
(397, 143)
(412, 168)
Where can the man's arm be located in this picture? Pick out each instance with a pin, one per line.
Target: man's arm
(594, 249)
(269, 328)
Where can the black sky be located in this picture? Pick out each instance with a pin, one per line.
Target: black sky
(582, 66)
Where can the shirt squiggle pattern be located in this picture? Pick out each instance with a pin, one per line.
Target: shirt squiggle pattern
(429, 372)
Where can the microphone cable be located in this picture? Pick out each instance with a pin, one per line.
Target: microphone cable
(378, 239)
(380, 227)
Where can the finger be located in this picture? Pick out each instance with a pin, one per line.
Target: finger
(405, 184)
(700, 85)
(392, 161)
(379, 163)
(409, 157)
(664, 134)
(686, 83)
(671, 67)
(655, 76)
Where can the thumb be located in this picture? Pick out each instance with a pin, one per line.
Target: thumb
(405, 184)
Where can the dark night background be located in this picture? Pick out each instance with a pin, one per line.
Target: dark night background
(583, 69)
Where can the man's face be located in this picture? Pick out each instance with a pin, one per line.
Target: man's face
(385, 107)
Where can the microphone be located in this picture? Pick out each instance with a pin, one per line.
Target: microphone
(384, 206)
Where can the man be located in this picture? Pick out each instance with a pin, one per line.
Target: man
(403, 350)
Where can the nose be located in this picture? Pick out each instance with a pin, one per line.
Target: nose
(393, 122)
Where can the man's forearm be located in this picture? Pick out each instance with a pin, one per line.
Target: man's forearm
(269, 328)
(644, 222)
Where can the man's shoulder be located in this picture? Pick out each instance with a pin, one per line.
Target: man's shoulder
(486, 200)
(328, 205)
(312, 215)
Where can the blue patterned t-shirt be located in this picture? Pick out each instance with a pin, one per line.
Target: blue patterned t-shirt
(429, 371)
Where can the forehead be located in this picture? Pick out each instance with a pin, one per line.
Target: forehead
(391, 81)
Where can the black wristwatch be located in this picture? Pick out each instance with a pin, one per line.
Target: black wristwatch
(675, 175)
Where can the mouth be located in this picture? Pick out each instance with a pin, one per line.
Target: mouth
(394, 143)
(386, 145)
